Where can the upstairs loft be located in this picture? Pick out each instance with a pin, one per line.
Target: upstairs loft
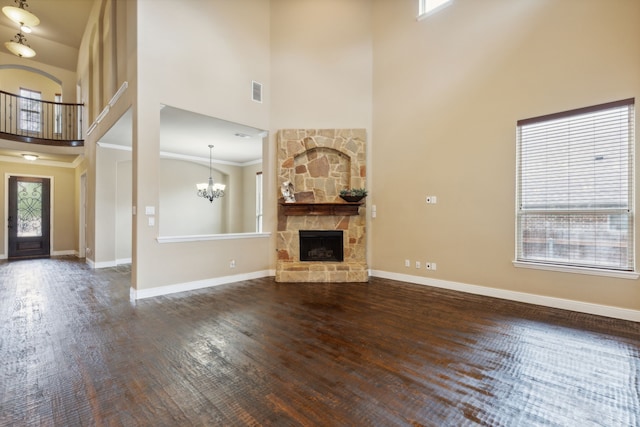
(35, 121)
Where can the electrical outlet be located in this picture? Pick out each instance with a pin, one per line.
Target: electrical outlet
(418, 264)
(433, 266)
(232, 263)
(407, 263)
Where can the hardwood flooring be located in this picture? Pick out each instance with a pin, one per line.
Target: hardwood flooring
(74, 351)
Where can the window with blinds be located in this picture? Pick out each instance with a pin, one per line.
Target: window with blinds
(575, 188)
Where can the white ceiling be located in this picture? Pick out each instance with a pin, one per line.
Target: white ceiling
(187, 135)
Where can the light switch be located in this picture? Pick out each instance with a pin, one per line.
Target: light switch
(152, 221)
(150, 210)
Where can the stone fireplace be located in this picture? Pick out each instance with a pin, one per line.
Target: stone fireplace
(320, 163)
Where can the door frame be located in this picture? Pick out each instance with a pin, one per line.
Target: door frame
(5, 221)
(82, 217)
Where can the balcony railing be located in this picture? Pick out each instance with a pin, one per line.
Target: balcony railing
(41, 122)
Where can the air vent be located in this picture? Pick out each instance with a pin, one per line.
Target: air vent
(256, 91)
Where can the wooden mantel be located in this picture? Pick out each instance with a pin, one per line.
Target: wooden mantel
(320, 209)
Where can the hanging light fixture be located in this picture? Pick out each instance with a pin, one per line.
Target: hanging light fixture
(210, 190)
(19, 47)
(20, 15)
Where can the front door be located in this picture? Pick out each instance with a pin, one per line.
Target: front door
(29, 217)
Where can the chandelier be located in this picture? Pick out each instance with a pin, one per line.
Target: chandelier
(18, 46)
(210, 190)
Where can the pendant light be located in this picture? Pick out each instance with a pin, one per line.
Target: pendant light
(210, 190)
(20, 15)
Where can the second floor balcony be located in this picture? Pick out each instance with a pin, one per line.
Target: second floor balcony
(40, 122)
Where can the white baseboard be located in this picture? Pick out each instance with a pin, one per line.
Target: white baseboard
(565, 304)
(135, 294)
(101, 264)
(107, 264)
(62, 253)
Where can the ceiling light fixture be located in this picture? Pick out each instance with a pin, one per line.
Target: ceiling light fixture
(210, 190)
(30, 157)
(19, 47)
(20, 15)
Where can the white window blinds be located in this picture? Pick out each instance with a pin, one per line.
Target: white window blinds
(575, 187)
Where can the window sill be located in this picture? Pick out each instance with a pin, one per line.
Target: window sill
(631, 275)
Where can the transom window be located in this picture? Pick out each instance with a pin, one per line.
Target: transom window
(426, 7)
(575, 188)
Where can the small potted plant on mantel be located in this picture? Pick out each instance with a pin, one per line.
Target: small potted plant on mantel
(353, 194)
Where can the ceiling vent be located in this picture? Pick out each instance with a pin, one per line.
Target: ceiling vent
(256, 91)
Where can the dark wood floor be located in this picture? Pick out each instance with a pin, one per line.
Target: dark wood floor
(75, 351)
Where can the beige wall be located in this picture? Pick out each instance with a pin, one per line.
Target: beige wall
(439, 99)
(448, 91)
(14, 79)
(232, 44)
(64, 231)
(113, 178)
(106, 63)
(322, 58)
(66, 78)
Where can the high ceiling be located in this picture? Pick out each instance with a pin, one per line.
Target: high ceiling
(57, 39)
(183, 134)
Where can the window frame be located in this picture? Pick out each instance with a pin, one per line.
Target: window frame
(27, 100)
(425, 10)
(259, 202)
(569, 266)
(57, 114)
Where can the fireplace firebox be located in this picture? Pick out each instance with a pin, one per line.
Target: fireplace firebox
(321, 245)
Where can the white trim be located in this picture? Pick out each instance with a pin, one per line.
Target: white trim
(123, 261)
(135, 294)
(631, 275)
(204, 237)
(90, 263)
(169, 155)
(102, 264)
(561, 303)
(118, 94)
(63, 253)
(114, 146)
(40, 162)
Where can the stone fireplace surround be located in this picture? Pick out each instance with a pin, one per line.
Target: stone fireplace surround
(320, 163)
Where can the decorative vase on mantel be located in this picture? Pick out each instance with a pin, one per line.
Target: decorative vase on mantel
(353, 195)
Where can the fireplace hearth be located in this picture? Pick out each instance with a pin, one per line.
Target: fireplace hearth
(321, 245)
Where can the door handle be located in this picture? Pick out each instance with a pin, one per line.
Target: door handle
(10, 225)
